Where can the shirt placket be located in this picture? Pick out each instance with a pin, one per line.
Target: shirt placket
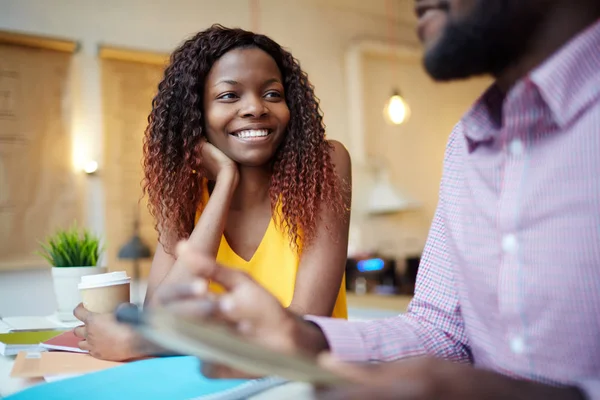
(513, 153)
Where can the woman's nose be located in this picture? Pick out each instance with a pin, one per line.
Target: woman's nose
(253, 107)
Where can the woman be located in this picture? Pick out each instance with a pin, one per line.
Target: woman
(236, 159)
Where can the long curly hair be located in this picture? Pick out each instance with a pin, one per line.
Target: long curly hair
(303, 176)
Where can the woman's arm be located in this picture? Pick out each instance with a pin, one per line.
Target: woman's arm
(323, 263)
(207, 233)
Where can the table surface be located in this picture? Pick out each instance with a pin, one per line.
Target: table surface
(377, 306)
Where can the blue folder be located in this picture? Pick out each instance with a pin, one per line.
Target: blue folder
(173, 378)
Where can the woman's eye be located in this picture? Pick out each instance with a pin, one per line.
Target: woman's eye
(227, 96)
(273, 95)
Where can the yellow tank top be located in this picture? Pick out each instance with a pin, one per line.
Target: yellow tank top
(274, 265)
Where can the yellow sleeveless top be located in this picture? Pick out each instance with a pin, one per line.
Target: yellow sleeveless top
(274, 265)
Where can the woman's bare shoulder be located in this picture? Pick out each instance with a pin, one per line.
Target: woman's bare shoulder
(340, 158)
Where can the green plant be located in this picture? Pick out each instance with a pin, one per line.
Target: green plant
(71, 248)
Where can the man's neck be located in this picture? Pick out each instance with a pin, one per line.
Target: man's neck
(563, 22)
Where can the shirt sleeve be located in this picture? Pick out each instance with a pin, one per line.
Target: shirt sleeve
(590, 388)
(433, 324)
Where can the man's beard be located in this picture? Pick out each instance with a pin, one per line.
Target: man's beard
(494, 35)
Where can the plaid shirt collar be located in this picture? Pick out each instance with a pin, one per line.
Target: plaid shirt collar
(564, 82)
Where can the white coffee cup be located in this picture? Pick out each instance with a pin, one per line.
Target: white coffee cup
(102, 293)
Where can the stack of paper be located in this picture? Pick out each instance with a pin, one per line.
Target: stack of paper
(14, 342)
(16, 324)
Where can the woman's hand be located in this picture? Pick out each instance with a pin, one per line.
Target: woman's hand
(215, 162)
(206, 236)
(104, 337)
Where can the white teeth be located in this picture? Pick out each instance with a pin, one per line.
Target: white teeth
(252, 133)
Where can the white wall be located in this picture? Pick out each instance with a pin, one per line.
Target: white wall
(413, 152)
(318, 32)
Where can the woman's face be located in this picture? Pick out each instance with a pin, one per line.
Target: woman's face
(244, 106)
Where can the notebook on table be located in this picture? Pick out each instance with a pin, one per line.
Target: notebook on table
(14, 342)
(32, 364)
(174, 378)
(66, 341)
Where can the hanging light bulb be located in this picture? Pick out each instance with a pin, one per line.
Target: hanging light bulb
(396, 109)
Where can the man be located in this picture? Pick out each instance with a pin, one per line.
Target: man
(507, 303)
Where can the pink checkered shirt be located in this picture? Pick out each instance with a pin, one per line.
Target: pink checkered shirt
(510, 275)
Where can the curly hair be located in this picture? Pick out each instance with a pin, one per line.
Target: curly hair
(303, 176)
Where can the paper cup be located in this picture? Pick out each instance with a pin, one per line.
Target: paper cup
(102, 293)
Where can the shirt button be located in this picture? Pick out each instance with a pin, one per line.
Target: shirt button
(517, 345)
(516, 147)
(509, 244)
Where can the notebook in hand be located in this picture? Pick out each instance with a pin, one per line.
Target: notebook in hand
(216, 342)
(64, 342)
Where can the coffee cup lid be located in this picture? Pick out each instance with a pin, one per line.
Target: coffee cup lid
(102, 280)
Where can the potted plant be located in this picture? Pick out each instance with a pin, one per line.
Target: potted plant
(73, 253)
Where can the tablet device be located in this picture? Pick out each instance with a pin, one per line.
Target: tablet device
(216, 342)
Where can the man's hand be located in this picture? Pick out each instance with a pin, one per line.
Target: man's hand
(252, 311)
(428, 379)
(104, 337)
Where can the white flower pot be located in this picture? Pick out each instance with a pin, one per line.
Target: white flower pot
(65, 281)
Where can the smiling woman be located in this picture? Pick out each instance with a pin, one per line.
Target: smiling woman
(236, 160)
(245, 110)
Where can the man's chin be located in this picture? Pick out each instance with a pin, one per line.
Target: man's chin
(436, 69)
(435, 59)
(445, 63)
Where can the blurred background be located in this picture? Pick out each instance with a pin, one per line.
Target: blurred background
(76, 82)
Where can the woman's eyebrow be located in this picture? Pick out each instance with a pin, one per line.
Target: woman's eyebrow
(228, 81)
(233, 82)
(272, 80)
